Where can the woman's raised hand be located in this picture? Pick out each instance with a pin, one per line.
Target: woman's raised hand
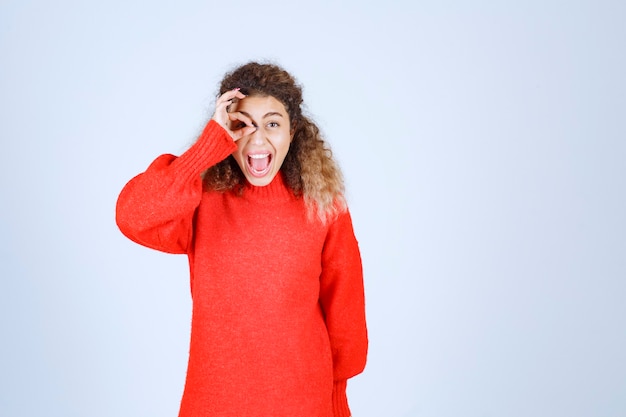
(235, 123)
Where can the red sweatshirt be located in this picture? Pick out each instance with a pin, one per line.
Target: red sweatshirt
(278, 321)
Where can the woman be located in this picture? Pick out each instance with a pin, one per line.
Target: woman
(278, 319)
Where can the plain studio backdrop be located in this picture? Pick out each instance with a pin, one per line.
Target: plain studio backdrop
(484, 149)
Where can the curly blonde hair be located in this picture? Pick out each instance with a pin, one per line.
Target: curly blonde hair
(309, 169)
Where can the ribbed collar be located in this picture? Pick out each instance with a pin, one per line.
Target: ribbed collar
(275, 191)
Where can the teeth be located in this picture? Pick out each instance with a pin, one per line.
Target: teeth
(259, 156)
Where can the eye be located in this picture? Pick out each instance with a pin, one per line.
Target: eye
(272, 124)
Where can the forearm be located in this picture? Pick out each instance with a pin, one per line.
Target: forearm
(156, 207)
(343, 301)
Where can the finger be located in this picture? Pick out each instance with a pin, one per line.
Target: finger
(239, 133)
(240, 125)
(236, 116)
(228, 96)
(226, 100)
(222, 106)
(248, 130)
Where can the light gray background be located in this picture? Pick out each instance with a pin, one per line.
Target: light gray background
(483, 144)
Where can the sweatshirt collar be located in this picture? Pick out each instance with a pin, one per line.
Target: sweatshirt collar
(277, 190)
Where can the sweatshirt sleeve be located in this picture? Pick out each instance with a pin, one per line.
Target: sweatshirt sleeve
(156, 208)
(343, 301)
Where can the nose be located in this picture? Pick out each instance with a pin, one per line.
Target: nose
(257, 136)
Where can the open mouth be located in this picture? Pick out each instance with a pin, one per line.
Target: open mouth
(259, 164)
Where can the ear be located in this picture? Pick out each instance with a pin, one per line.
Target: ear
(292, 132)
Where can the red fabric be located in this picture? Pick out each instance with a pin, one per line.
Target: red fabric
(278, 321)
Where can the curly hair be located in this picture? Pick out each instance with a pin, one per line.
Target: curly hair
(309, 169)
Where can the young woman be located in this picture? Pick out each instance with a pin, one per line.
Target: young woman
(278, 319)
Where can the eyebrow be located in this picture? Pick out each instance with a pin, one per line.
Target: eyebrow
(268, 114)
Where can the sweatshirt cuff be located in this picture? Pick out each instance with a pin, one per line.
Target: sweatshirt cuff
(340, 400)
(213, 146)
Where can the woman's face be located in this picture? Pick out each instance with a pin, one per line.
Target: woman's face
(261, 153)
